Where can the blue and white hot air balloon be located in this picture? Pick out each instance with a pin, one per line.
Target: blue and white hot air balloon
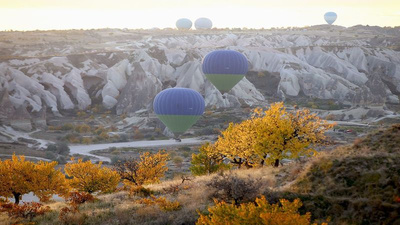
(225, 68)
(330, 17)
(203, 24)
(184, 24)
(179, 108)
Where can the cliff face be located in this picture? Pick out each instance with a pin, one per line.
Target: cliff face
(317, 64)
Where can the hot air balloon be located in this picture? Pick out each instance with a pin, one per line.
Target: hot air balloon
(203, 24)
(330, 17)
(183, 24)
(178, 108)
(225, 68)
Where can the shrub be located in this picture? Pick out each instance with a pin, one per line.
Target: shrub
(81, 114)
(67, 126)
(149, 169)
(59, 148)
(231, 187)
(77, 198)
(87, 140)
(206, 162)
(89, 177)
(260, 212)
(84, 128)
(178, 161)
(104, 135)
(28, 210)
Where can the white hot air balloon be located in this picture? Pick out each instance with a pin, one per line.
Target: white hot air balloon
(203, 24)
(184, 24)
(330, 17)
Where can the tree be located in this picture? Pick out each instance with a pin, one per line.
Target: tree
(270, 136)
(260, 212)
(48, 181)
(207, 161)
(90, 178)
(149, 169)
(59, 148)
(19, 177)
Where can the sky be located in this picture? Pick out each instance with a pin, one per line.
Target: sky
(88, 14)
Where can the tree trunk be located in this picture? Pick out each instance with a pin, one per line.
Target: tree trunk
(276, 164)
(16, 197)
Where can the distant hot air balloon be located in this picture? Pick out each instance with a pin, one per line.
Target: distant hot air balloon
(225, 68)
(330, 17)
(203, 24)
(178, 108)
(184, 24)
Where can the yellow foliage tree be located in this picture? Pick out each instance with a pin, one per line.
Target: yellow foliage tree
(19, 177)
(89, 177)
(149, 169)
(272, 135)
(48, 181)
(207, 161)
(285, 213)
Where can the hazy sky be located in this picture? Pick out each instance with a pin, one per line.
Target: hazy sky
(76, 14)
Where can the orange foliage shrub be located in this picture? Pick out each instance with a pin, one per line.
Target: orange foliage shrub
(89, 177)
(260, 212)
(26, 210)
(149, 169)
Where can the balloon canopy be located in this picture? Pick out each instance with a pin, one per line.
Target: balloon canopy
(225, 68)
(184, 24)
(179, 108)
(330, 17)
(203, 24)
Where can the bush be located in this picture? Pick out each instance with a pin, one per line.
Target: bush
(28, 210)
(77, 198)
(87, 140)
(67, 126)
(178, 161)
(84, 128)
(62, 160)
(231, 187)
(260, 212)
(89, 177)
(206, 162)
(123, 138)
(149, 169)
(60, 148)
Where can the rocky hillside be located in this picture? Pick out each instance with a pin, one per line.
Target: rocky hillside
(123, 70)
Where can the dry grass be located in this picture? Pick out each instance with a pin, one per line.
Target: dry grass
(318, 182)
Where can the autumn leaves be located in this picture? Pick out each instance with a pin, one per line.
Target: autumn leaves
(19, 177)
(265, 139)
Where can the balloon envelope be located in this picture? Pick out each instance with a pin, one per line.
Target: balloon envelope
(225, 68)
(184, 24)
(203, 24)
(178, 108)
(330, 17)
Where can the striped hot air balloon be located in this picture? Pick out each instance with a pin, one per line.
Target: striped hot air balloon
(330, 17)
(179, 108)
(225, 68)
